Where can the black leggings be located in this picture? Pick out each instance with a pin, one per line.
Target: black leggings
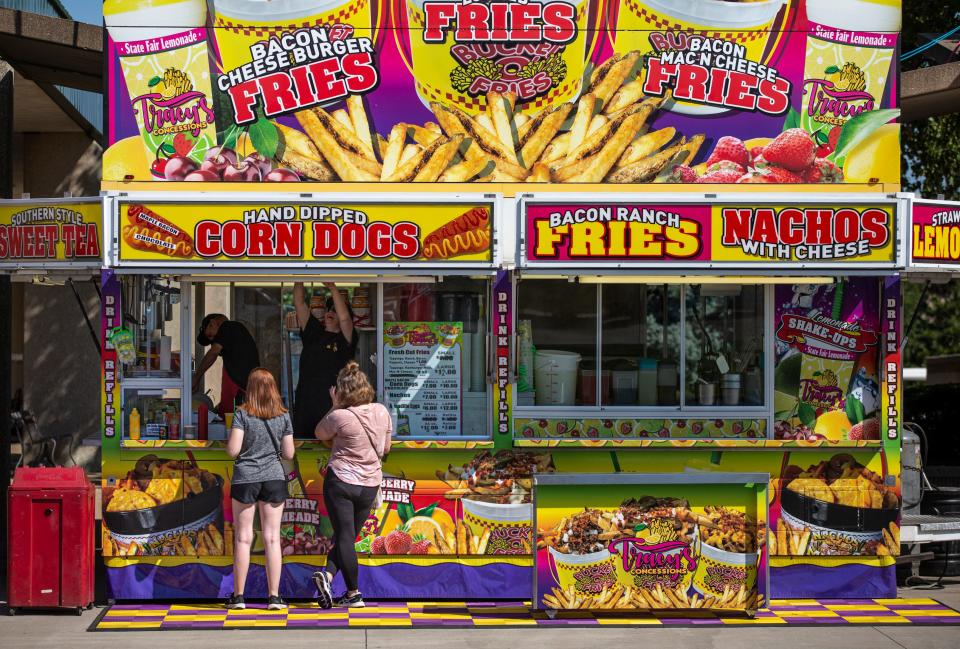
(348, 507)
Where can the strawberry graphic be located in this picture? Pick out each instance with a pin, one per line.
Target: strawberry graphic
(866, 429)
(398, 541)
(757, 152)
(725, 176)
(732, 149)
(378, 546)
(793, 149)
(834, 137)
(683, 174)
(823, 171)
(725, 165)
(420, 545)
(771, 174)
(182, 145)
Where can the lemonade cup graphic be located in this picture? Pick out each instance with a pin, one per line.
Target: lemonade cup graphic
(642, 23)
(587, 573)
(541, 73)
(163, 53)
(241, 23)
(510, 525)
(718, 570)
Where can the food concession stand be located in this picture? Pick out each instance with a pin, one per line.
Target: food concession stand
(674, 396)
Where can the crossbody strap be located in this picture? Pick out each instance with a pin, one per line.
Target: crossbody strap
(369, 434)
(276, 444)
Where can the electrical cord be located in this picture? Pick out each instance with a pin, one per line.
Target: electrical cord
(926, 46)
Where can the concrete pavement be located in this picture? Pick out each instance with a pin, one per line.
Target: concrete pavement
(68, 630)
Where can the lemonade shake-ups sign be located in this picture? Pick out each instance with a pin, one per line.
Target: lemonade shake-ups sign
(815, 234)
(46, 232)
(234, 232)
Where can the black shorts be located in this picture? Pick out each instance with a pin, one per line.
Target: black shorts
(268, 491)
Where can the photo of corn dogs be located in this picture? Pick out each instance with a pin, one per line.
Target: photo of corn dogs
(148, 231)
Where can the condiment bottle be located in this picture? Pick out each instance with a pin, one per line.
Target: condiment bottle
(133, 427)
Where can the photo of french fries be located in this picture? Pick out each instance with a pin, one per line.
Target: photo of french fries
(204, 542)
(788, 540)
(604, 136)
(619, 596)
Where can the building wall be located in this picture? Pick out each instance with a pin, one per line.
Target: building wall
(54, 163)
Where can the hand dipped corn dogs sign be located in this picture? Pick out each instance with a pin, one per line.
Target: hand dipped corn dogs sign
(290, 232)
(552, 91)
(751, 233)
(40, 232)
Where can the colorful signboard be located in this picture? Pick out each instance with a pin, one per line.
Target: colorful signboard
(645, 541)
(41, 232)
(559, 91)
(935, 233)
(299, 231)
(638, 233)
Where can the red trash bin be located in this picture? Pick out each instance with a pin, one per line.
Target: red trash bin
(50, 550)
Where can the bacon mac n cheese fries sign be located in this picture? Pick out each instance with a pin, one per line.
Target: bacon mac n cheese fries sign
(624, 232)
(291, 232)
(33, 233)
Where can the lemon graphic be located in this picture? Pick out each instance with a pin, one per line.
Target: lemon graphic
(833, 425)
(126, 159)
(876, 158)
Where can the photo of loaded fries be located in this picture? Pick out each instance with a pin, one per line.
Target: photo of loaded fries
(603, 137)
(166, 507)
(837, 507)
(494, 491)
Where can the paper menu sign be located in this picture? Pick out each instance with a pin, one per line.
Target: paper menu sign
(423, 377)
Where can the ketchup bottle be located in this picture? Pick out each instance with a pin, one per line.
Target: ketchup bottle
(202, 417)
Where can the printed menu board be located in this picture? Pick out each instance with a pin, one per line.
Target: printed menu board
(423, 377)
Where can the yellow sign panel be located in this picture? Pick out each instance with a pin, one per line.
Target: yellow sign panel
(49, 231)
(291, 232)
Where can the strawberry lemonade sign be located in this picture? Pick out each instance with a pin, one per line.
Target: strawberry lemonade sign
(297, 232)
(545, 91)
(623, 232)
(935, 233)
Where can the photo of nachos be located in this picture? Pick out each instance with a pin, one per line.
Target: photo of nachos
(603, 137)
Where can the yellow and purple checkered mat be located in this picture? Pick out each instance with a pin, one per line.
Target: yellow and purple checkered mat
(803, 612)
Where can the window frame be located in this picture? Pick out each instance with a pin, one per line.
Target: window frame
(682, 409)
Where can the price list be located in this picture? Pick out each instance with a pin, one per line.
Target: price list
(423, 376)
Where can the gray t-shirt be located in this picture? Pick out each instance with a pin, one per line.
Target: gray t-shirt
(258, 461)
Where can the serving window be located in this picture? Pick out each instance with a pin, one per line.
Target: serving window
(640, 347)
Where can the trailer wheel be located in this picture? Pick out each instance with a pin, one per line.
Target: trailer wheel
(11, 611)
(79, 610)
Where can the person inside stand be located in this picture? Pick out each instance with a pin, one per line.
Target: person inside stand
(329, 343)
(231, 341)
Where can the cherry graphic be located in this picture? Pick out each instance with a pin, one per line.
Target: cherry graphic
(158, 166)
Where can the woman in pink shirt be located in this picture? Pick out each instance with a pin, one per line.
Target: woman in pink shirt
(360, 434)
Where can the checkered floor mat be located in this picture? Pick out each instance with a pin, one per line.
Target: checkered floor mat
(804, 612)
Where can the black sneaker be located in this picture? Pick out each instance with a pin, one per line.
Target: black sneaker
(275, 603)
(236, 602)
(349, 601)
(324, 594)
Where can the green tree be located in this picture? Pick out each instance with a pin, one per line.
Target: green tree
(930, 168)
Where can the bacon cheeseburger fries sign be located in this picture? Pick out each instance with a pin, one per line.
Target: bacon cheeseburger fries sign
(935, 233)
(33, 233)
(624, 232)
(289, 232)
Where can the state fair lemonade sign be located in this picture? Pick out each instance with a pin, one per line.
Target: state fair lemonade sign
(50, 232)
(174, 232)
(936, 232)
(625, 232)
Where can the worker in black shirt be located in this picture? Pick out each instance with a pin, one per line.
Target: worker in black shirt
(231, 341)
(329, 342)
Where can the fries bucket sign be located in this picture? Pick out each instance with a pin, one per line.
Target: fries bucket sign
(539, 91)
(625, 232)
(623, 543)
(287, 233)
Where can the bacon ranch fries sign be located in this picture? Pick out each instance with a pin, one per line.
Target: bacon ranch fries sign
(537, 91)
(935, 233)
(181, 232)
(818, 234)
(49, 232)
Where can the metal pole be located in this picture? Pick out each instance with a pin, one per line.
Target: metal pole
(86, 318)
(6, 305)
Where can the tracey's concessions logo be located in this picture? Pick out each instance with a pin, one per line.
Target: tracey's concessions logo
(808, 234)
(674, 557)
(839, 96)
(173, 106)
(615, 232)
(295, 70)
(715, 72)
(503, 46)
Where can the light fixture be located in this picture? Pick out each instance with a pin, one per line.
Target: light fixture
(703, 279)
